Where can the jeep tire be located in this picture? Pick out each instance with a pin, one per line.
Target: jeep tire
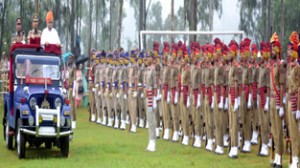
(21, 141)
(64, 146)
(8, 138)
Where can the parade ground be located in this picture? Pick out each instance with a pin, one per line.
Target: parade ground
(99, 146)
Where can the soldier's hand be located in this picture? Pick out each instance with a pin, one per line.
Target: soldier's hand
(188, 103)
(117, 95)
(298, 115)
(249, 104)
(281, 112)
(199, 101)
(125, 96)
(168, 98)
(99, 93)
(226, 104)
(236, 104)
(135, 94)
(176, 98)
(142, 95)
(212, 103)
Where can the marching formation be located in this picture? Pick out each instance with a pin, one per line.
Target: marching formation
(223, 95)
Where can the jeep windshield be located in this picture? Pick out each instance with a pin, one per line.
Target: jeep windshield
(37, 67)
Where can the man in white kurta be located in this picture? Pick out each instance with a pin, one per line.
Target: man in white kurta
(49, 34)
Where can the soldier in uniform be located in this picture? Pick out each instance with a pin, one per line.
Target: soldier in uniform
(185, 96)
(98, 93)
(71, 81)
(218, 96)
(141, 95)
(151, 86)
(197, 122)
(92, 89)
(108, 90)
(245, 104)
(277, 82)
(19, 35)
(174, 93)
(233, 100)
(123, 83)
(166, 97)
(263, 86)
(132, 93)
(34, 34)
(254, 92)
(293, 97)
(208, 102)
(115, 97)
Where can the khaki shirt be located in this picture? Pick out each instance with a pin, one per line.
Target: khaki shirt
(173, 76)
(277, 75)
(165, 75)
(246, 75)
(140, 75)
(232, 75)
(150, 78)
(132, 75)
(254, 72)
(32, 33)
(209, 76)
(218, 75)
(195, 76)
(17, 38)
(263, 77)
(294, 79)
(185, 76)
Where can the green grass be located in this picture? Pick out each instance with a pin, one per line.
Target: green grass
(99, 146)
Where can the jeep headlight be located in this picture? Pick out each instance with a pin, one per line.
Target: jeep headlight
(32, 103)
(57, 102)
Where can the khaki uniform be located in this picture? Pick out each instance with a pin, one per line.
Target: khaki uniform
(277, 81)
(18, 38)
(123, 83)
(293, 88)
(72, 77)
(165, 90)
(158, 111)
(264, 117)
(33, 34)
(174, 106)
(92, 90)
(97, 90)
(232, 95)
(243, 109)
(108, 90)
(184, 109)
(208, 78)
(254, 92)
(132, 100)
(140, 99)
(116, 103)
(151, 85)
(195, 111)
(218, 112)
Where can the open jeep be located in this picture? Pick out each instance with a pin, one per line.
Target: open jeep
(36, 109)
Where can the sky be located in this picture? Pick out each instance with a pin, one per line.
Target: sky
(229, 20)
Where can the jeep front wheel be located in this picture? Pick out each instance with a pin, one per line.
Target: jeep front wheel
(21, 142)
(64, 146)
(8, 138)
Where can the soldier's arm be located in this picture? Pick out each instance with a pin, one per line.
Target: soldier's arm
(155, 87)
(282, 79)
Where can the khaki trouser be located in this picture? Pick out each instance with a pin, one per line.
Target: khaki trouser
(165, 112)
(98, 105)
(233, 124)
(196, 118)
(245, 121)
(254, 115)
(116, 105)
(140, 104)
(108, 105)
(132, 101)
(184, 117)
(157, 113)
(151, 119)
(175, 116)
(72, 104)
(123, 104)
(276, 127)
(209, 125)
(219, 122)
(264, 122)
(104, 104)
(293, 130)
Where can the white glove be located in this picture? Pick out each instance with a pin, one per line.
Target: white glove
(176, 98)
(168, 97)
(117, 95)
(221, 104)
(199, 101)
(249, 101)
(298, 115)
(284, 99)
(212, 103)
(236, 104)
(106, 93)
(113, 85)
(257, 101)
(266, 108)
(239, 100)
(125, 96)
(154, 103)
(97, 85)
(158, 97)
(110, 94)
(226, 104)
(281, 112)
(188, 103)
(142, 95)
(134, 94)
(99, 93)
(73, 93)
(107, 85)
(94, 90)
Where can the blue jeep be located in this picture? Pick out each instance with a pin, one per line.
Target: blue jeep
(36, 109)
